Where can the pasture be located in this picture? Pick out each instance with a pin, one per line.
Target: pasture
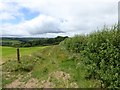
(9, 53)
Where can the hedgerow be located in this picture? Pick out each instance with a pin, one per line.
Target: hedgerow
(75, 44)
(101, 52)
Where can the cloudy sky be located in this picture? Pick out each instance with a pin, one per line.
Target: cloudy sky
(50, 18)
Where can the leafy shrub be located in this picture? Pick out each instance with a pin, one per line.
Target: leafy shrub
(101, 51)
(75, 44)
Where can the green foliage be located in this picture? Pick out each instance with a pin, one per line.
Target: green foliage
(76, 44)
(29, 42)
(101, 51)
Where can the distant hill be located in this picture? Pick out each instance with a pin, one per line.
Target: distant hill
(28, 42)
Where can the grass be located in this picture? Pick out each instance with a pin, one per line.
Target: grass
(9, 53)
(42, 65)
(8, 40)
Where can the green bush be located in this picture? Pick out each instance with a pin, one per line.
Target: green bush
(75, 44)
(101, 52)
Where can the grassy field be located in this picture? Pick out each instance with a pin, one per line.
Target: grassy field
(51, 67)
(7, 40)
(9, 53)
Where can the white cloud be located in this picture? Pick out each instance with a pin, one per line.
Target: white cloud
(80, 16)
(9, 10)
(42, 24)
(39, 25)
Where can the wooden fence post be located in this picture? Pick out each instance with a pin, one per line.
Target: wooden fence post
(18, 55)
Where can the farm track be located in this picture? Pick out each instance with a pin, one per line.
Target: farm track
(60, 77)
(51, 67)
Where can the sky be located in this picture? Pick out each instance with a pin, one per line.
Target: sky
(51, 18)
(119, 12)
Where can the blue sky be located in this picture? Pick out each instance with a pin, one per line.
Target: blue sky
(27, 14)
(50, 18)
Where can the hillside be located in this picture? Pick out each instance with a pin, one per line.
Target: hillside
(30, 42)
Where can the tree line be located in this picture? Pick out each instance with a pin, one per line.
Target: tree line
(30, 42)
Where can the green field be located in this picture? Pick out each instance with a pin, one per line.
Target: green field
(7, 40)
(9, 53)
